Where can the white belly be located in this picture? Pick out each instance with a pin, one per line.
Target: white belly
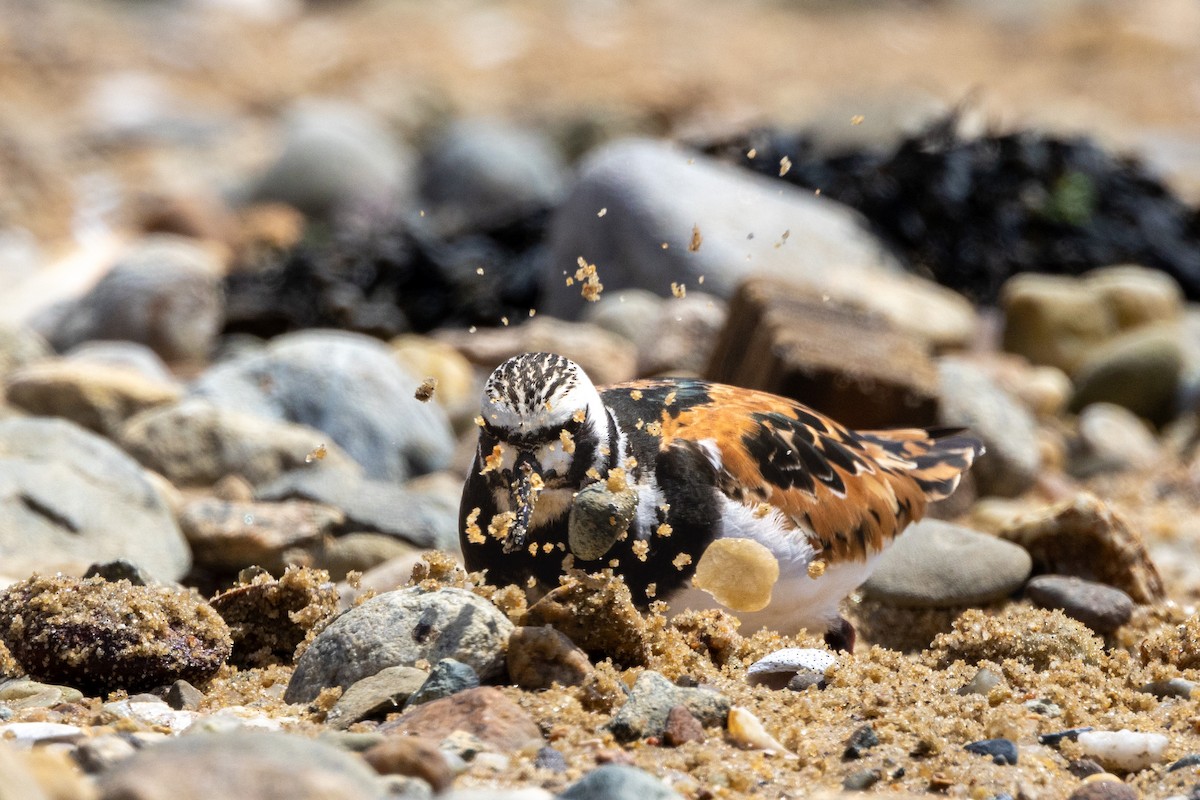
(798, 600)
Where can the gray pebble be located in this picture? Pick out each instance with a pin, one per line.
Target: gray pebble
(861, 780)
(1102, 608)
(1002, 751)
(551, 759)
(618, 782)
(183, 696)
(447, 677)
(103, 752)
(939, 565)
(862, 740)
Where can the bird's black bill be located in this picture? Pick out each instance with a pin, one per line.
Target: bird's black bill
(522, 498)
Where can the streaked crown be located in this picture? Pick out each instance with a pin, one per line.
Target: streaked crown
(536, 391)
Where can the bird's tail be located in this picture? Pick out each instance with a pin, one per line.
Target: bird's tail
(935, 458)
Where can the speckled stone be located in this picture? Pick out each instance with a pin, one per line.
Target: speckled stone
(682, 727)
(400, 628)
(651, 700)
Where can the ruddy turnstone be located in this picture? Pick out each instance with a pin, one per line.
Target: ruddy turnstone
(691, 469)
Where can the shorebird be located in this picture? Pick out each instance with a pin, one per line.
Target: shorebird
(688, 471)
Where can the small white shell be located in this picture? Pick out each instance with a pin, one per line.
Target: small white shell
(746, 731)
(777, 668)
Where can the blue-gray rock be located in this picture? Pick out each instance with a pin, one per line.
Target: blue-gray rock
(447, 677)
(400, 628)
(163, 292)
(479, 172)
(345, 384)
(618, 782)
(425, 513)
(196, 443)
(337, 158)
(970, 398)
(1139, 369)
(1002, 751)
(936, 564)
(651, 700)
(1190, 760)
(1102, 608)
(70, 498)
(637, 204)
(241, 765)
(551, 759)
(862, 740)
(861, 780)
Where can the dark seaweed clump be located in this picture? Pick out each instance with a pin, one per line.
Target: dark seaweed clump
(972, 212)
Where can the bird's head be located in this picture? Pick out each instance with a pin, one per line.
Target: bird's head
(542, 427)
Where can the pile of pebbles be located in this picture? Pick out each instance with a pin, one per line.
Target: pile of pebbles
(230, 472)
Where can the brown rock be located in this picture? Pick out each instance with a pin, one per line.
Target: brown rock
(540, 657)
(230, 536)
(1179, 646)
(682, 727)
(1053, 319)
(605, 357)
(413, 756)
(99, 397)
(597, 613)
(1085, 538)
(833, 357)
(483, 712)
(268, 618)
(1106, 789)
(97, 636)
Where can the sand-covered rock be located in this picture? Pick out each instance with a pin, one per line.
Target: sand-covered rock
(100, 636)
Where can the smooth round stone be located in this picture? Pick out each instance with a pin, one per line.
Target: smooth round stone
(1112, 439)
(972, 399)
(336, 157)
(1102, 608)
(480, 172)
(618, 782)
(639, 183)
(164, 292)
(935, 564)
(401, 628)
(347, 385)
(1139, 369)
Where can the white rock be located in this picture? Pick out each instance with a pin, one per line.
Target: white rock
(780, 666)
(154, 714)
(1124, 749)
(31, 733)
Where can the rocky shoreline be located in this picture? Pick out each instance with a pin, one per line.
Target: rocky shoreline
(236, 410)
